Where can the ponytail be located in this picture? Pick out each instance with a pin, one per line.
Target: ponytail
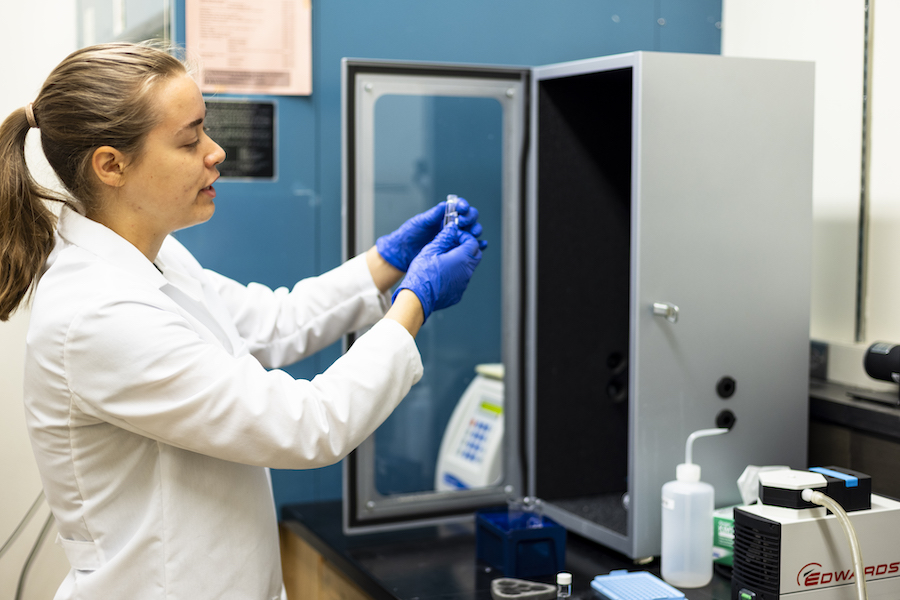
(26, 224)
(98, 96)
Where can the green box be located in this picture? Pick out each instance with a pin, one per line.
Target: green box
(723, 536)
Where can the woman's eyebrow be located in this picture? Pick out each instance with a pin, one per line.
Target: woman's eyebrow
(191, 125)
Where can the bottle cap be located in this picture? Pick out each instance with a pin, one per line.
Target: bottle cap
(687, 472)
(563, 578)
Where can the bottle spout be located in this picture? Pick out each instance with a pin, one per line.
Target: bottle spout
(689, 446)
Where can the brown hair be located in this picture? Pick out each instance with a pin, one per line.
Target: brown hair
(97, 96)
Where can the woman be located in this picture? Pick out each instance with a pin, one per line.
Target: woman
(150, 409)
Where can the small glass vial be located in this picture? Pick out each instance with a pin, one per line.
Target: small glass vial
(451, 217)
(563, 585)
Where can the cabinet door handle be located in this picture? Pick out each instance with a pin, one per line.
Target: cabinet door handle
(667, 310)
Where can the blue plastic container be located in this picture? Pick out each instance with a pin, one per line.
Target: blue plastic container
(517, 550)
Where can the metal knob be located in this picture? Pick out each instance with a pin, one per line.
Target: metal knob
(667, 310)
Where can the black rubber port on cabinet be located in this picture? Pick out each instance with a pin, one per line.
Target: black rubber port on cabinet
(726, 419)
(726, 387)
(616, 392)
(616, 363)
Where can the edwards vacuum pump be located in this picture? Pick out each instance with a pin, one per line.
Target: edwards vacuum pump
(787, 547)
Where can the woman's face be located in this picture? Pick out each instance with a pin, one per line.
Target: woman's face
(170, 185)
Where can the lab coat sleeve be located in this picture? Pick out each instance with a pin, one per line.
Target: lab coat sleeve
(282, 327)
(142, 368)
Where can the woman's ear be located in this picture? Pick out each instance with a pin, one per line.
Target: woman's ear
(109, 166)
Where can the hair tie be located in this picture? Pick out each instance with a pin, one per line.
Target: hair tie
(29, 114)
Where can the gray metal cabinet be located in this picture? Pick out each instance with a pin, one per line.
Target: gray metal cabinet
(653, 279)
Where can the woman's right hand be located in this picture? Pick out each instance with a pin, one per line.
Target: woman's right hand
(440, 273)
(400, 247)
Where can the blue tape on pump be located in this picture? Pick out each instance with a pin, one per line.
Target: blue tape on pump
(849, 480)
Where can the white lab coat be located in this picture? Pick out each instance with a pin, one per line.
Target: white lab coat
(152, 416)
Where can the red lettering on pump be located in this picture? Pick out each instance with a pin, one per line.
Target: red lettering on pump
(806, 572)
(811, 576)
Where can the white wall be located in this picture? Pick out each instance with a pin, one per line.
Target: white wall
(831, 33)
(34, 36)
(883, 305)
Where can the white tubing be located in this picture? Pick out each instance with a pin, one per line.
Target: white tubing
(22, 524)
(822, 500)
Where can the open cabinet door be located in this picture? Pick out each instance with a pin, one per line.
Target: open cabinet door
(414, 133)
(672, 199)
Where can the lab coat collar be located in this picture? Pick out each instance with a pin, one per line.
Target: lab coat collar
(108, 245)
(185, 283)
(116, 250)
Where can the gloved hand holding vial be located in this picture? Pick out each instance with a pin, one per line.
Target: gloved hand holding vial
(401, 246)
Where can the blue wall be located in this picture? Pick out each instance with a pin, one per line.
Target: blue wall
(278, 232)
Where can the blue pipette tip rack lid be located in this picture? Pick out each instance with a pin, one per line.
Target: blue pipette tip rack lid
(637, 585)
(515, 548)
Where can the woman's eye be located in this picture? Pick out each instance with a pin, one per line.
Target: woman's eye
(196, 142)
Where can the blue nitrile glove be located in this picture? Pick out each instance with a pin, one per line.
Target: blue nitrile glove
(441, 271)
(400, 247)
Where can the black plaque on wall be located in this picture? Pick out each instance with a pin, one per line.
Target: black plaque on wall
(246, 131)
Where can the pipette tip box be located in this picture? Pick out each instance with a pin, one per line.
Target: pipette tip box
(636, 585)
(519, 551)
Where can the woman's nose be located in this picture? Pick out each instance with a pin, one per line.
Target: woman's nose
(217, 156)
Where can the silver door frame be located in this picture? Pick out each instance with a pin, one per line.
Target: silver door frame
(363, 82)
